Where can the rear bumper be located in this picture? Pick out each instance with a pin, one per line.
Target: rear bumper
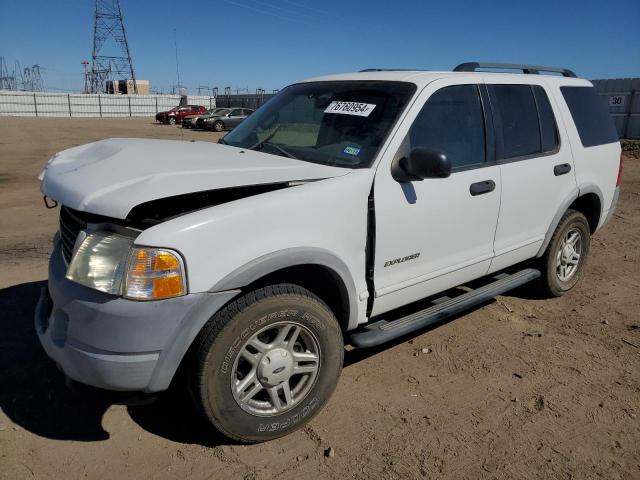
(113, 343)
(608, 214)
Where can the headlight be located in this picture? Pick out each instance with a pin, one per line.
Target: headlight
(109, 262)
(100, 260)
(154, 273)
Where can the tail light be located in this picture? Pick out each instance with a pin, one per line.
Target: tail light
(619, 180)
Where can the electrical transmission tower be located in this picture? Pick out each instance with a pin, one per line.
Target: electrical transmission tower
(111, 59)
(32, 79)
(7, 81)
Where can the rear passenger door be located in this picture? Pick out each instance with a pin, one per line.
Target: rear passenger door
(536, 168)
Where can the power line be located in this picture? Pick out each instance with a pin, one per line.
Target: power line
(266, 12)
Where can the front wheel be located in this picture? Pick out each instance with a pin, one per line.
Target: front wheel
(564, 259)
(171, 121)
(267, 363)
(218, 126)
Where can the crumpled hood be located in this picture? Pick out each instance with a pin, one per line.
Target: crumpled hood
(112, 176)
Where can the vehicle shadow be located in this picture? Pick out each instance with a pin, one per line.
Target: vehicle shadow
(34, 395)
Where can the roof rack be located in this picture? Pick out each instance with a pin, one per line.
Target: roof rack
(530, 69)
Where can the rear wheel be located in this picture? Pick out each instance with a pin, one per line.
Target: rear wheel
(218, 126)
(267, 363)
(564, 259)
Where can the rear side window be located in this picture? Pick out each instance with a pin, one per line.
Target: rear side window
(517, 121)
(548, 128)
(590, 116)
(452, 121)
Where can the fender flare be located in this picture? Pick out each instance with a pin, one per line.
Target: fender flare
(564, 206)
(291, 257)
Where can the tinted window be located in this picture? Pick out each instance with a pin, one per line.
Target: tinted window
(452, 121)
(548, 127)
(236, 113)
(590, 116)
(517, 120)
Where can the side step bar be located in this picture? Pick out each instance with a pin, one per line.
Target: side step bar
(382, 331)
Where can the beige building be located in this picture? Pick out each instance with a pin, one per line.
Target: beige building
(125, 87)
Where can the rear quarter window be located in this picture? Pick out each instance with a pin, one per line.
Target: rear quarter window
(548, 127)
(590, 116)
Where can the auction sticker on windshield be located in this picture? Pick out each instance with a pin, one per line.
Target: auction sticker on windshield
(350, 108)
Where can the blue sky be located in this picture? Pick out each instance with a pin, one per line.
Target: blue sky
(271, 43)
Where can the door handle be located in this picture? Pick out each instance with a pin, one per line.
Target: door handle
(561, 169)
(479, 188)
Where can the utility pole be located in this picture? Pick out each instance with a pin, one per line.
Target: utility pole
(111, 58)
(175, 45)
(85, 64)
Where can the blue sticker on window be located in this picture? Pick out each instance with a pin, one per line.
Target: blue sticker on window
(351, 151)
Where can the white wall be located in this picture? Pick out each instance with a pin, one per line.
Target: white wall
(43, 104)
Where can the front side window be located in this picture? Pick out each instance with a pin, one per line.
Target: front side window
(516, 121)
(341, 123)
(452, 122)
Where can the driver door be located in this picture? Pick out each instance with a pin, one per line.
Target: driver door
(235, 117)
(437, 233)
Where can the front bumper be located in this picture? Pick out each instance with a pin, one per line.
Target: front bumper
(114, 343)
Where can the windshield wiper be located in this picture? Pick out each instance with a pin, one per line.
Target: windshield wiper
(280, 149)
(262, 143)
(259, 144)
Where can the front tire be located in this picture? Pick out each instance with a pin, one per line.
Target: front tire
(218, 126)
(565, 257)
(171, 121)
(267, 363)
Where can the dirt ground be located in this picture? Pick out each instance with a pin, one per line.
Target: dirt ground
(520, 388)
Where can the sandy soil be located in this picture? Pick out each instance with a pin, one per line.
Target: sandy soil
(521, 388)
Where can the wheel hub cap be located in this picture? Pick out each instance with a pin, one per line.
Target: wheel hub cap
(275, 367)
(569, 255)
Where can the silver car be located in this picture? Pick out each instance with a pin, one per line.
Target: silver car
(197, 121)
(227, 119)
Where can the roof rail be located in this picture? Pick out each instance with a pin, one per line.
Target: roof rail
(530, 69)
(387, 70)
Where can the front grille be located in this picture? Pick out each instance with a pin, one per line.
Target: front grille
(70, 226)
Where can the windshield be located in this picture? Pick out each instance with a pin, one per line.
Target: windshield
(221, 111)
(340, 123)
(213, 111)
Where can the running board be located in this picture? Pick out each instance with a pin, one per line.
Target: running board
(382, 331)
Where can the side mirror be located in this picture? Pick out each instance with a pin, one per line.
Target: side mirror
(420, 164)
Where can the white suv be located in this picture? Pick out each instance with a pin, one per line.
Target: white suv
(250, 263)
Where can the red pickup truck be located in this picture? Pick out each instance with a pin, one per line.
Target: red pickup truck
(176, 114)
